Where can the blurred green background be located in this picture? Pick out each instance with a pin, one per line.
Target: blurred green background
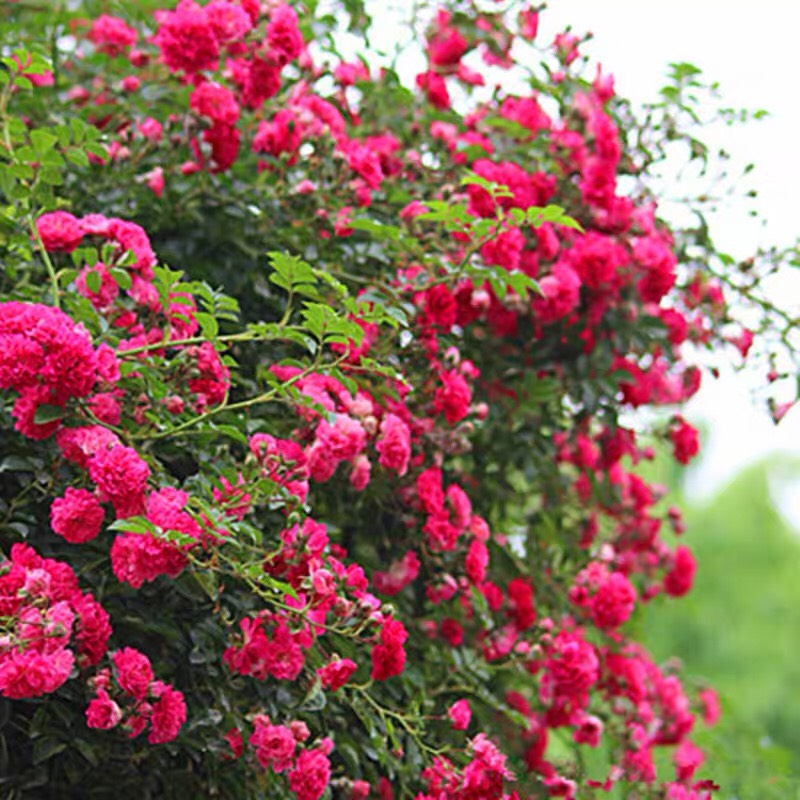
(739, 629)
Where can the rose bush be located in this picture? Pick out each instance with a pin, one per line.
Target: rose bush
(344, 501)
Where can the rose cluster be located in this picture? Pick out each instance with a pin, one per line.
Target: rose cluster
(392, 507)
(143, 701)
(49, 625)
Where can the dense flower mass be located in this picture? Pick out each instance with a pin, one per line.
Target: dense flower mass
(371, 506)
(50, 625)
(46, 359)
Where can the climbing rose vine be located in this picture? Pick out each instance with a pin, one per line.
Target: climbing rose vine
(321, 458)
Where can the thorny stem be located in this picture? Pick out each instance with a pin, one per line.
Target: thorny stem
(266, 397)
(97, 421)
(234, 568)
(47, 262)
(243, 336)
(404, 720)
(16, 502)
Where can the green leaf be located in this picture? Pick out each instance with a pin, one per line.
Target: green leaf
(16, 464)
(509, 126)
(278, 586)
(77, 156)
(305, 290)
(133, 525)
(67, 276)
(315, 700)
(494, 189)
(305, 341)
(683, 69)
(316, 317)
(499, 287)
(42, 141)
(556, 215)
(520, 283)
(334, 283)
(379, 231)
(233, 432)
(51, 176)
(97, 149)
(208, 583)
(177, 537)
(347, 382)
(26, 154)
(63, 135)
(289, 271)
(45, 749)
(94, 281)
(47, 413)
(78, 127)
(208, 325)
(87, 751)
(122, 278)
